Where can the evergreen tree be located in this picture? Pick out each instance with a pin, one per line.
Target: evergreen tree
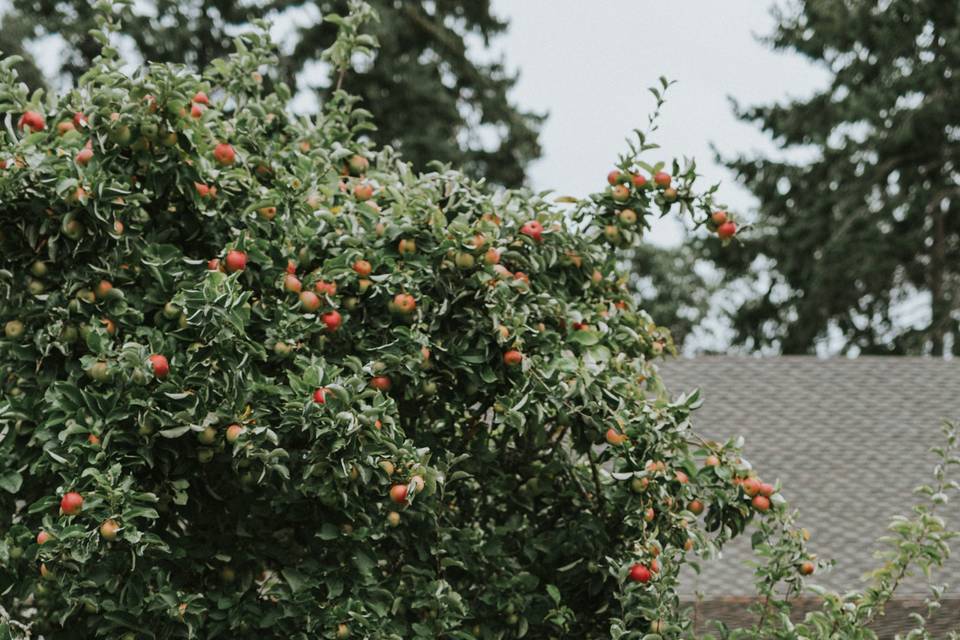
(870, 226)
(428, 96)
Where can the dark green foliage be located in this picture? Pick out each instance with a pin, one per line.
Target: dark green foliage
(428, 96)
(870, 224)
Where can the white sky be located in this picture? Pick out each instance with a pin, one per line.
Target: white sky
(589, 63)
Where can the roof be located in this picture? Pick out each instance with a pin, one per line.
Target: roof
(848, 438)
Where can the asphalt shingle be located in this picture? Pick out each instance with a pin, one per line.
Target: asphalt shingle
(848, 438)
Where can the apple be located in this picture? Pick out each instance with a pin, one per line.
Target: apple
(208, 436)
(620, 193)
(492, 256)
(649, 514)
(71, 503)
(234, 432)
(363, 191)
(93, 439)
(398, 493)
(79, 120)
(639, 485)
(160, 365)
(213, 264)
(332, 319)
(358, 165)
(662, 179)
(224, 154)
(64, 127)
(393, 519)
(638, 180)
(718, 217)
(695, 507)
(267, 213)
(326, 288)
(13, 329)
(670, 194)
(205, 191)
(712, 461)
(85, 155)
(380, 383)
(612, 233)
(32, 120)
(200, 98)
(235, 261)
(628, 217)
(406, 247)
(614, 177)
(404, 303)
(682, 478)
(320, 395)
(196, 111)
(100, 371)
(533, 229)
(727, 229)
(309, 301)
(751, 486)
(363, 268)
(639, 573)
(103, 289)
(109, 529)
(761, 503)
(512, 358)
(614, 437)
(71, 227)
(43, 537)
(807, 568)
(766, 489)
(292, 283)
(464, 260)
(343, 632)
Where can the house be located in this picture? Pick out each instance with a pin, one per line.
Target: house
(849, 439)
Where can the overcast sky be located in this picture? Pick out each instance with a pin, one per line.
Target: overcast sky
(589, 63)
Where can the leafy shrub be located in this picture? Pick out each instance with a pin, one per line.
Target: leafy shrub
(261, 380)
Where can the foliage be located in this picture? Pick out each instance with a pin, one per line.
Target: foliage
(429, 95)
(863, 228)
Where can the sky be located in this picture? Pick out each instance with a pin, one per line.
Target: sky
(588, 63)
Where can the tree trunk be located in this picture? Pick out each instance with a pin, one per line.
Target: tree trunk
(939, 313)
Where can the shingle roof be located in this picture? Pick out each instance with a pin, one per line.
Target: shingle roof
(849, 439)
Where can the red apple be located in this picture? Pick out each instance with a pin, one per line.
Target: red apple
(695, 507)
(718, 217)
(614, 437)
(363, 268)
(332, 319)
(639, 573)
(512, 358)
(33, 120)
(309, 301)
(363, 191)
(234, 432)
(201, 98)
(224, 154)
(79, 120)
(751, 486)
(614, 177)
(292, 283)
(807, 568)
(85, 155)
(43, 537)
(727, 229)
(160, 365)
(380, 383)
(320, 395)
(235, 261)
(639, 181)
(761, 503)
(533, 229)
(326, 288)
(398, 493)
(404, 303)
(71, 503)
(766, 489)
(662, 178)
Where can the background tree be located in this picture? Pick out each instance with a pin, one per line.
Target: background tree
(866, 224)
(429, 95)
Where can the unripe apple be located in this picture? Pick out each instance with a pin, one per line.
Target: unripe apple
(406, 247)
(358, 165)
(208, 436)
(670, 194)
(13, 329)
(388, 467)
(393, 519)
(109, 529)
(160, 365)
(512, 358)
(620, 193)
(464, 260)
(639, 485)
(628, 217)
(71, 227)
(235, 261)
(343, 632)
(649, 514)
(292, 283)
(282, 349)
(234, 432)
(309, 301)
(727, 230)
(224, 154)
(100, 371)
(612, 233)
(71, 503)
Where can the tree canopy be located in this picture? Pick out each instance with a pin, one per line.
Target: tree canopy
(860, 238)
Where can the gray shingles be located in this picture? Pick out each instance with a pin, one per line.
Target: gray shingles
(849, 439)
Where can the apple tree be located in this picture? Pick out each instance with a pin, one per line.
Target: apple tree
(260, 379)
